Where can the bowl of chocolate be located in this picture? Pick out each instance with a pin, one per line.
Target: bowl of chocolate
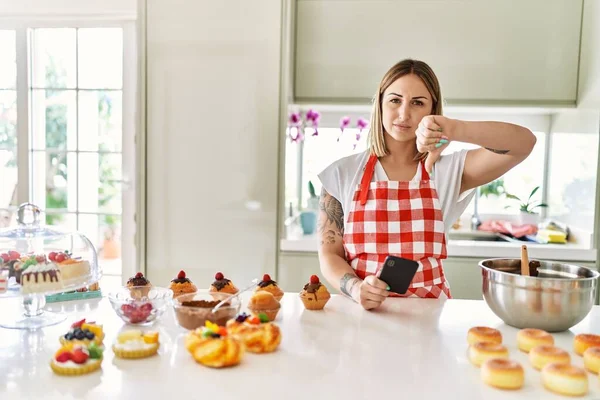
(192, 310)
(547, 295)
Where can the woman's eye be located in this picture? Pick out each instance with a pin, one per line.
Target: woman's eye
(395, 100)
(418, 103)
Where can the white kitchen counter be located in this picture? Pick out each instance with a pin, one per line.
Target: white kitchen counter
(410, 348)
(479, 249)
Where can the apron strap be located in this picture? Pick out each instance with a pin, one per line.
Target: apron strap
(366, 179)
(424, 173)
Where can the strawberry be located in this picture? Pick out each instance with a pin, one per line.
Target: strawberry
(266, 278)
(52, 256)
(314, 279)
(14, 255)
(64, 357)
(127, 309)
(181, 274)
(219, 276)
(79, 356)
(5, 257)
(78, 324)
(60, 257)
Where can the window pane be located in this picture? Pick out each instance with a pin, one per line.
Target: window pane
(572, 187)
(99, 186)
(8, 119)
(8, 185)
(54, 180)
(53, 120)
(54, 58)
(104, 231)
(101, 58)
(8, 60)
(100, 120)
(291, 176)
(322, 150)
(64, 221)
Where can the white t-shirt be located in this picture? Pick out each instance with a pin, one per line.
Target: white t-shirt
(342, 178)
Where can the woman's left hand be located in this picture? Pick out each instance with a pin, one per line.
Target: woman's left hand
(433, 136)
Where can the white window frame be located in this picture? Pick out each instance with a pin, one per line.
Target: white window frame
(130, 253)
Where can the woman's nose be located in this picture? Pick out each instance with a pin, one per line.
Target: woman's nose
(404, 112)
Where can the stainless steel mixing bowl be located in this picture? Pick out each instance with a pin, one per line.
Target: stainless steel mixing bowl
(554, 298)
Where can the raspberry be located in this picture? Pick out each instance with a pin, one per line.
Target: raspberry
(219, 276)
(139, 275)
(181, 274)
(266, 278)
(314, 279)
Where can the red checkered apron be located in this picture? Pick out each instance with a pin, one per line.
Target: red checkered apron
(403, 219)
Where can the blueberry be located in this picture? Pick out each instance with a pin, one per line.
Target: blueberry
(89, 335)
(69, 336)
(215, 336)
(80, 335)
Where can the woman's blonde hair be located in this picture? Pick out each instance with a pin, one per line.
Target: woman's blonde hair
(376, 141)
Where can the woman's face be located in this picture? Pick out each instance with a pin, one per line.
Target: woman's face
(405, 102)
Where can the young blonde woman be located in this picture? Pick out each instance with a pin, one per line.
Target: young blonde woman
(401, 195)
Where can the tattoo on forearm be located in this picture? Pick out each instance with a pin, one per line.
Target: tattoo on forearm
(348, 282)
(328, 237)
(333, 210)
(497, 151)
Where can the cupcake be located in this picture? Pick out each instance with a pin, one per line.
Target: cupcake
(135, 344)
(269, 285)
(77, 359)
(213, 347)
(258, 334)
(264, 302)
(314, 295)
(223, 285)
(139, 286)
(182, 285)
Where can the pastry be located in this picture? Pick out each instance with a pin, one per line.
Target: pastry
(591, 359)
(83, 333)
(503, 374)
(269, 285)
(139, 286)
(542, 355)
(264, 302)
(314, 295)
(565, 379)
(530, 338)
(483, 334)
(481, 351)
(182, 285)
(257, 333)
(136, 344)
(8, 261)
(213, 347)
(223, 285)
(77, 359)
(71, 269)
(39, 276)
(193, 314)
(584, 341)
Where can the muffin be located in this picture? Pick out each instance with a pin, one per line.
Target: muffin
(139, 286)
(222, 285)
(314, 295)
(264, 302)
(258, 334)
(182, 285)
(269, 285)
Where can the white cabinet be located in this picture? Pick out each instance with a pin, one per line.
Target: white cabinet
(212, 137)
(484, 51)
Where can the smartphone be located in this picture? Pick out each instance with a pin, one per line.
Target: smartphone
(398, 273)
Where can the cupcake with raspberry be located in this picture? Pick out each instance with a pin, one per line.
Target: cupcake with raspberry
(314, 295)
(269, 285)
(222, 285)
(182, 285)
(139, 286)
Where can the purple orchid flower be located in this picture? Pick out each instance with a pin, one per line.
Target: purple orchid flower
(313, 116)
(344, 123)
(295, 119)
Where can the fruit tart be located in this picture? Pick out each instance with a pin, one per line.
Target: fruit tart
(182, 285)
(77, 359)
(139, 286)
(136, 344)
(314, 295)
(256, 332)
(269, 285)
(213, 347)
(264, 302)
(222, 285)
(83, 333)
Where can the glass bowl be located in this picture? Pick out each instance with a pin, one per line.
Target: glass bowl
(194, 309)
(140, 310)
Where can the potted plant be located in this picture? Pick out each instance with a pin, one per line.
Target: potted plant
(527, 215)
(312, 202)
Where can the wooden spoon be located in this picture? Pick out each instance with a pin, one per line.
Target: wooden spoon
(524, 261)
